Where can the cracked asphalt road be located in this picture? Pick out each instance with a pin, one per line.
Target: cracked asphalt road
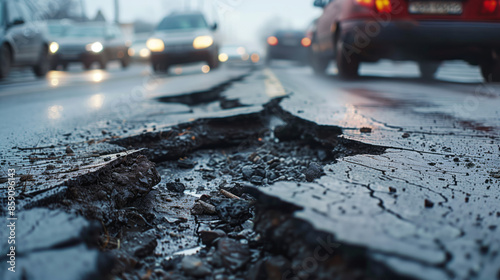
(400, 174)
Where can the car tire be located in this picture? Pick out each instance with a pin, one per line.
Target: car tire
(160, 67)
(125, 61)
(42, 67)
(268, 60)
(428, 69)
(491, 70)
(319, 64)
(5, 61)
(347, 67)
(103, 62)
(87, 65)
(213, 62)
(53, 65)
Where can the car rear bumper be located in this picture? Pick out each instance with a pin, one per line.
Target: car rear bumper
(79, 57)
(289, 53)
(181, 57)
(429, 39)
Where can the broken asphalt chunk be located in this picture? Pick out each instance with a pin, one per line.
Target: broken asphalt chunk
(176, 187)
(314, 171)
(234, 255)
(428, 203)
(233, 211)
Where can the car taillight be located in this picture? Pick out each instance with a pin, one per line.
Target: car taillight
(383, 6)
(366, 3)
(306, 42)
(273, 41)
(489, 6)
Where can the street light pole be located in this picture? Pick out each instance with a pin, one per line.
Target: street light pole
(82, 6)
(117, 11)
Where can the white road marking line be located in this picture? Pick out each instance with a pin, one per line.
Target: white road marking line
(274, 88)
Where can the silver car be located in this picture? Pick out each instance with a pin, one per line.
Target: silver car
(182, 38)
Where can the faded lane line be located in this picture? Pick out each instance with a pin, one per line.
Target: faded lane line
(274, 88)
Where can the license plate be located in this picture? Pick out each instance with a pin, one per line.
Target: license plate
(70, 55)
(290, 42)
(179, 48)
(435, 8)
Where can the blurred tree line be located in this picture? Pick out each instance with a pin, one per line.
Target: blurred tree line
(59, 9)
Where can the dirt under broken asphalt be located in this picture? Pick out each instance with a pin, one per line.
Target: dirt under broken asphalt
(252, 191)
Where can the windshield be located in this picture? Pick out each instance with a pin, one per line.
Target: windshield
(57, 29)
(183, 22)
(85, 32)
(1, 13)
(233, 50)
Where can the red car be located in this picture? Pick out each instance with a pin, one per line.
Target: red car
(425, 31)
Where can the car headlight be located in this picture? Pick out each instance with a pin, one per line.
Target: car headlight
(54, 47)
(202, 42)
(223, 57)
(96, 47)
(155, 45)
(144, 53)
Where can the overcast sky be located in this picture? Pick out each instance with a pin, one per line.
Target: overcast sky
(240, 20)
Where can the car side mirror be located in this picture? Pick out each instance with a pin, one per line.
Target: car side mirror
(214, 27)
(319, 3)
(17, 21)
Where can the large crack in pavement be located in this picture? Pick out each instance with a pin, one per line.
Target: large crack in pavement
(203, 96)
(244, 193)
(205, 166)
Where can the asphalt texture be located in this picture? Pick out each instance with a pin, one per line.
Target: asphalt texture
(263, 172)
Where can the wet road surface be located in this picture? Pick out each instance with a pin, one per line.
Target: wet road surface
(399, 176)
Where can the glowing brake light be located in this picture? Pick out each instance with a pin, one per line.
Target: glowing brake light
(384, 6)
(489, 6)
(273, 41)
(366, 3)
(306, 42)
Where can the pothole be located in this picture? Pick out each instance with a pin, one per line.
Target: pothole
(201, 97)
(202, 205)
(199, 221)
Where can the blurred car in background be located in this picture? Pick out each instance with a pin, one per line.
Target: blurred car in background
(310, 31)
(288, 45)
(22, 40)
(55, 30)
(91, 42)
(234, 55)
(428, 32)
(182, 38)
(139, 51)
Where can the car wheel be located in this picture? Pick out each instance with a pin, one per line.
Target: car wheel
(428, 69)
(269, 60)
(491, 70)
(65, 66)
(125, 61)
(53, 65)
(103, 62)
(319, 64)
(42, 66)
(159, 67)
(213, 62)
(5, 61)
(87, 65)
(347, 63)
(164, 67)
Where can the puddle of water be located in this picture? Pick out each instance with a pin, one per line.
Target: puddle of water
(192, 193)
(189, 252)
(186, 252)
